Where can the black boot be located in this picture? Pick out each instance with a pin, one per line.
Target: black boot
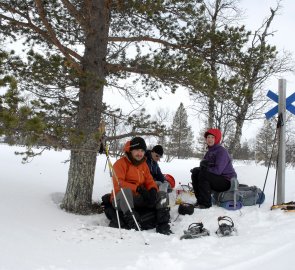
(129, 220)
(163, 215)
(163, 218)
(163, 228)
(114, 223)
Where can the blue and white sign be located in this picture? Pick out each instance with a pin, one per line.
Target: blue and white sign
(289, 106)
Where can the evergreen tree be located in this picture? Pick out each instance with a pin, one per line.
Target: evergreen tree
(181, 137)
(244, 153)
(265, 144)
(75, 49)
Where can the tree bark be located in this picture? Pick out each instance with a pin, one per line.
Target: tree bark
(78, 196)
(234, 145)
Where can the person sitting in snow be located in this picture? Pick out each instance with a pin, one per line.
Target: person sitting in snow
(152, 158)
(215, 171)
(131, 173)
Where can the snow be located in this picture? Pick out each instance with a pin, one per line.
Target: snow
(37, 235)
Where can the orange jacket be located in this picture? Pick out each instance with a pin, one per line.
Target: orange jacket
(131, 176)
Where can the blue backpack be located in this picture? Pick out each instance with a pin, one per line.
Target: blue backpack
(236, 198)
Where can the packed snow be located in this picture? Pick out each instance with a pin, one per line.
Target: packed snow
(37, 235)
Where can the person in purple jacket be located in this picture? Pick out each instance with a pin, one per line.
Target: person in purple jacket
(215, 171)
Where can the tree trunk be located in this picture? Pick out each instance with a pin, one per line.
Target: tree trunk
(211, 112)
(240, 119)
(78, 196)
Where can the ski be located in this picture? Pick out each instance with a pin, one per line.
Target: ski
(289, 206)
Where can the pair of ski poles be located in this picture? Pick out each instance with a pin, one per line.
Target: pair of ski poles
(113, 175)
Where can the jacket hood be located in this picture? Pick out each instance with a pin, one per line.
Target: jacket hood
(126, 147)
(216, 133)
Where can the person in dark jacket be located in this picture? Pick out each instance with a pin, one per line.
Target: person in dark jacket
(152, 158)
(215, 172)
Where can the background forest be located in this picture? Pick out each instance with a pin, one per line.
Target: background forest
(73, 53)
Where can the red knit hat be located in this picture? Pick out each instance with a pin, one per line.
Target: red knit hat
(216, 133)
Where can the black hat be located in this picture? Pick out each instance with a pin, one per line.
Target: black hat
(158, 149)
(137, 143)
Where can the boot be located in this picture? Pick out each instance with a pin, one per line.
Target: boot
(163, 218)
(163, 215)
(163, 228)
(114, 223)
(129, 220)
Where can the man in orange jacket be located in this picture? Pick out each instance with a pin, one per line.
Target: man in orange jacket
(132, 174)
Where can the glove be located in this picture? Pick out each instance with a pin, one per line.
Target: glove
(195, 170)
(153, 197)
(204, 164)
(143, 192)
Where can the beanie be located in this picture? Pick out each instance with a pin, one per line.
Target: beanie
(158, 149)
(137, 143)
(216, 133)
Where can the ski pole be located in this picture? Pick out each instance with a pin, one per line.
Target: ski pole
(114, 194)
(270, 159)
(123, 193)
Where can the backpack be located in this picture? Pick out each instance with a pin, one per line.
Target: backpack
(245, 196)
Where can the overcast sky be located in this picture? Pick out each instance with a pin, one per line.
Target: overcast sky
(283, 25)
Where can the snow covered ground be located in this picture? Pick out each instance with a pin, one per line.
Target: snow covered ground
(37, 235)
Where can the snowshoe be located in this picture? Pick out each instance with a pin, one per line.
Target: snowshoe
(195, 230)
(226, 226)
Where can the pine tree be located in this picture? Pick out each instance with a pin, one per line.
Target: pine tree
(181, 137)
(75, 49)
(265, 144)
(244, 152)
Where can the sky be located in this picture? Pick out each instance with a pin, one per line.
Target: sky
(256, 11)
(37, 235)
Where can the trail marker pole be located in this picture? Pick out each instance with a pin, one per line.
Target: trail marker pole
(282, 143)
(283, 105)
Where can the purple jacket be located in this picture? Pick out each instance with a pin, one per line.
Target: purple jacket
(220, 161)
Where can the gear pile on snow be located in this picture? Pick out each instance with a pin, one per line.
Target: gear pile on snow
(184, 193)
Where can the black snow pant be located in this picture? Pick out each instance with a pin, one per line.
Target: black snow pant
(147, 216)
(205, 182)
